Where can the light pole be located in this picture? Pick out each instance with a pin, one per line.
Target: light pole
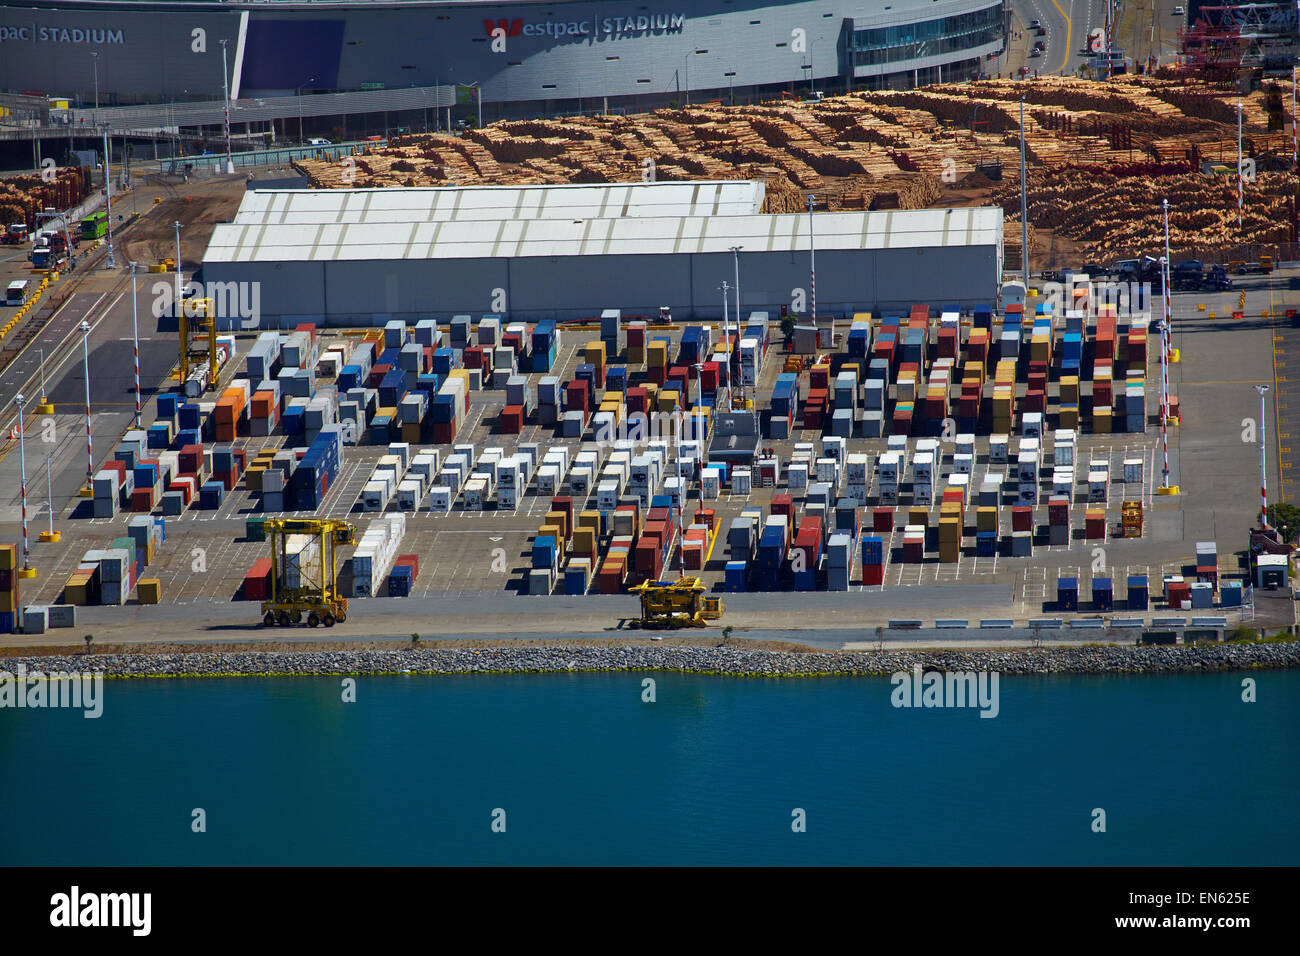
(108, 201)
(812, 263)
(1024, 203)
(44, 401)
(20, 401)
(94, 59)
(85, 358)
(735, 255)
(731, 85)
(726, 326)
(1263, 473)
(1166, 342)
(225, 87)
(1241, 189)
(135, 340)
(299, 91)
(178, 267)
(51, 535)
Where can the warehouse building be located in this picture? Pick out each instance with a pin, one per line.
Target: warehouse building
(367, 259)
(527, 56)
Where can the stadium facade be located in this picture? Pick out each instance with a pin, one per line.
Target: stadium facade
(528, 56)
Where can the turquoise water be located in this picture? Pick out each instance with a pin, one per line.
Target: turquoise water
(709, 774)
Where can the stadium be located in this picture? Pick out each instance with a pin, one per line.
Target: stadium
(526, 58)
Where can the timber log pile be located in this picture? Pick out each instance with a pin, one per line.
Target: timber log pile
(22, 197)
(1097, 153)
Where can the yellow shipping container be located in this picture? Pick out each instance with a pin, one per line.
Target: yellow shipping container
(949, 552)
(589, 519)
(1069, 417)
(253, 477)
(1101, 420)
(916, 515)
(584, 541)
(986, 518)
(559, 519)
(148, 590)
(8, 557)
(553, 530)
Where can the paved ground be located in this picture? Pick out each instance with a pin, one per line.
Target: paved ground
(205, 557)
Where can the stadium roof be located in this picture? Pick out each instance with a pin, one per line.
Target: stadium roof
(661, 235)
(399, 205)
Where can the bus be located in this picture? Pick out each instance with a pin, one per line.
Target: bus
(94, 226)
(17, 292)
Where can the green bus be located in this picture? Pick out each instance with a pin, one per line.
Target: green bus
(94, 226)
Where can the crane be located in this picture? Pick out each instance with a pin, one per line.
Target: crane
(680, 603)
(303, 571)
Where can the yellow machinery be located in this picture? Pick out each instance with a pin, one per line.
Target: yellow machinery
(1131, 519)
(680, 603)
(303, 580)
(198, 312)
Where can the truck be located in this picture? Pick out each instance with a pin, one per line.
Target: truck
(1241, 267)
(47, 259)
(15, 234)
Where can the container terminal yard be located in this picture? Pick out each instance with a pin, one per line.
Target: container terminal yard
(960, 458)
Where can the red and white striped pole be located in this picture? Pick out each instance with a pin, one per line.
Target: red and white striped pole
(1166, 343)
(1262, 431)
(20, 401)
(135, 341)
(90, 455)
(812, 262)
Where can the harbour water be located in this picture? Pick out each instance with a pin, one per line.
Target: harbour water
(712, 772)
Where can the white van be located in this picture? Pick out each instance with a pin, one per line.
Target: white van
(317, 141)
(18, 292)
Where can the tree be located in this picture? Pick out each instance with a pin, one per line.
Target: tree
(787, 325)
(1286, 519)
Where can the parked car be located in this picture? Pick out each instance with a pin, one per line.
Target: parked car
(1179, 12)
(1035, 24)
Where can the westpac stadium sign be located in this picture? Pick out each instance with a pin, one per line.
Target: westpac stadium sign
(595, 27)
(35, 34)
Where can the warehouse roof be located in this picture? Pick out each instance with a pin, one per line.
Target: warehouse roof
(665, 235)
(400, 205)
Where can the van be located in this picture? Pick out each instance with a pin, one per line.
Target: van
(318, 141)
(18, 292)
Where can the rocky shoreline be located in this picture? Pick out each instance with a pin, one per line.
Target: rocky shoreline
(734, 660)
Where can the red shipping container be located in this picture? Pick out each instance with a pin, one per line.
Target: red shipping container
(658, 375)
(1022, 518)
(409, 560)
(257, 582)
(142, 499)
(512, 420)
(873, 574)
(882, 519)
(564, 503)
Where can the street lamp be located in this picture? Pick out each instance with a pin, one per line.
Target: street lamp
(812, 263)
(1024, 203)
(299, 91)
(85, 358)
(225, 87)
(108, 201)
(44, 408)
(50, 535)
(135, 338)
(1263, 473)
(27, 571)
